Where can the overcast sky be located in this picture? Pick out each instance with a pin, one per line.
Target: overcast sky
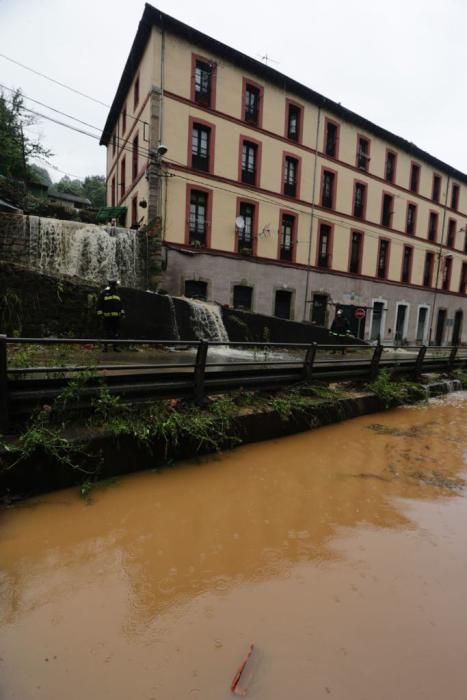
(400, 64)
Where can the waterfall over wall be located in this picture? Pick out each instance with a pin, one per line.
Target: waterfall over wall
(206, 320)
(94, 253)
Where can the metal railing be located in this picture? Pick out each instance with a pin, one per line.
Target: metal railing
(204, 369)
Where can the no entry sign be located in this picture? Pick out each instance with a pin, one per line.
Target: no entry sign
(360, 313)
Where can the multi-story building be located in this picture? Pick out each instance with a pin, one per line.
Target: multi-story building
(274, 198)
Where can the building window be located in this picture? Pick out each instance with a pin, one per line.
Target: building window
(363, 153)
(447, 273)
(112, 192)
(249, 162)
(242, 297)
(387, 210)
(294, 118)
(124, 119)
(331, 139)
(411, 219)
(114, 143)
(451, 239)
(390, 167)
(356, 248)
(134, 211)
(122, 178)
(245, 234)
(359, 202)
(463, 282)
(435, 195)
(136, 93)
(252, 104)
(328, 189)
(196, 289)
(290, 176)
(203, 83)
(455, 197)
(287, 237)
(383, 257)
(433, 226)
(200, 143)
(283, 303)
(198, 225)
(414, 177)
(134, 158)
(324, 246)
(406, 264)
(465, 239)
(428, 270)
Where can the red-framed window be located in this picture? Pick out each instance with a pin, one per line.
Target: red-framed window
(382, 266)
(447, 272)
(124, 119)
(390, 166)
(407, 259)
(134, 158)
(136, 92)
(414, 183)
(134, 210)
(436, 190)
(113, 193)
(463, 280)
(387, 210)
(293, 121)
(363, 153)
(451, 237)
(250, 161)
(331, 138)
(356, 252)
(203, 81)
(433, 225)
(247, 233)
(122, 177)
(199, 216)
(411, 219)
(455, 197)
(428, 269)
(287, 236)
(201, 144)
(324, 251)
(291, 169)
(328, 188)
(114, 143)
(359, 199)
(252, 102)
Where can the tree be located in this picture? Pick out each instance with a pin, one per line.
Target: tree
(94, 187)
(69, 186)
(38, 174)
(16, 148)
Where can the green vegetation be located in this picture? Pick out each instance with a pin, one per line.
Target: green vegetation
(395, 392)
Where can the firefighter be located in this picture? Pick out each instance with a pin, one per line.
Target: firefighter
(340, 328)
(110, 309)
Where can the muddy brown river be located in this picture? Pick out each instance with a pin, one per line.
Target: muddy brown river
(340, 553)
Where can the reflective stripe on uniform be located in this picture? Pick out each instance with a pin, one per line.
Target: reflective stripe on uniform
(110, 314)
(113, 297)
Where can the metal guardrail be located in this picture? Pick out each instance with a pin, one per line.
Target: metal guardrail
(23, 388)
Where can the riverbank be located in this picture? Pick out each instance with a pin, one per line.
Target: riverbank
(61, 448)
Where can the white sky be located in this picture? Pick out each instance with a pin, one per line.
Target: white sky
(400, 64)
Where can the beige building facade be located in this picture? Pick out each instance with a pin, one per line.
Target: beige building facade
(273, 198)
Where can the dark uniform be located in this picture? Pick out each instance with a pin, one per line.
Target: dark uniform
(340, 327)
(110, 309)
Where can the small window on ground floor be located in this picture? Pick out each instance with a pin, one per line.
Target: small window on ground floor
(195, 289)
(283, 303)
(242, 297)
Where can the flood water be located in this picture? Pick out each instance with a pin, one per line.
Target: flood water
(340, 553)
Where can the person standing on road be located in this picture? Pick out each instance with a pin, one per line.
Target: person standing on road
(110, 309)
(340, 327)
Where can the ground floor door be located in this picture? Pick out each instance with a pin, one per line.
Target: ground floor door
(318, 309)
(282, 303)
(421, 324)
(440, 324)
(457, 329)
(400, 323)
(377, 320)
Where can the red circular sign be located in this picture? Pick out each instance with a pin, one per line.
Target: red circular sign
(360, 313)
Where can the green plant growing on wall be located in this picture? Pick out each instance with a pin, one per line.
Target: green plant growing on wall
(11, 313)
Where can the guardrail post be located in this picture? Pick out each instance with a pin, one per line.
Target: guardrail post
(452, 356)
(419, 360)
(200, 366)
(375, 360)
(3, 386)
(309, 361)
